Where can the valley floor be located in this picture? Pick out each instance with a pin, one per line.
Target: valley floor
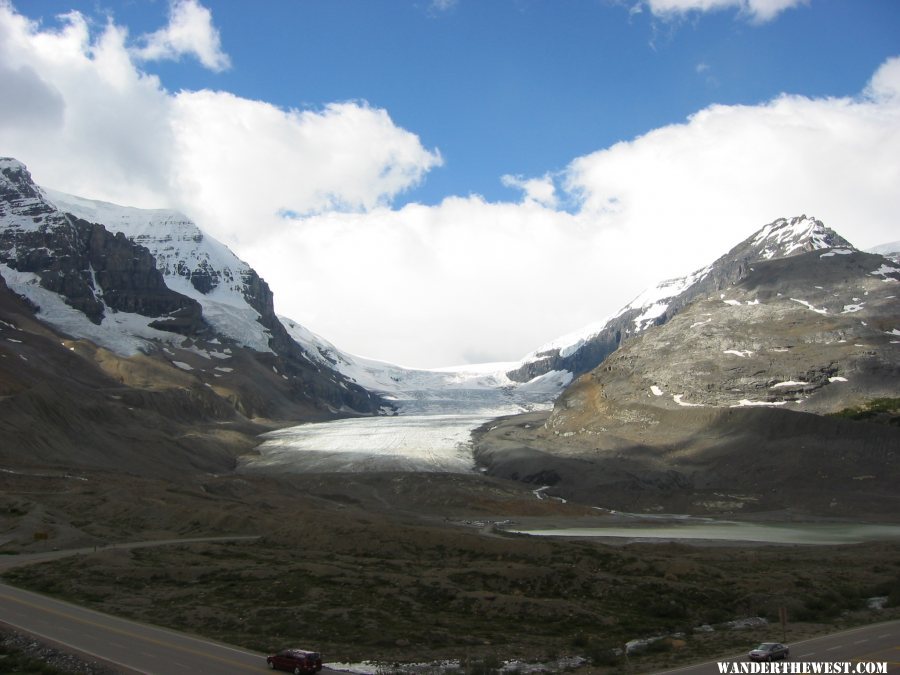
(365, 562)
(409, 567)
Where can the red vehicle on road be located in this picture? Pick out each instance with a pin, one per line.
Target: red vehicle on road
(295, 661)
(769, 651)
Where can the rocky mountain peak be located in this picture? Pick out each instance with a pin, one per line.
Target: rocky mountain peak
(94, 271)
(181, 249)
(12, 168)
(22, 205)
(583, 350)
(192, 263)
(786, 237)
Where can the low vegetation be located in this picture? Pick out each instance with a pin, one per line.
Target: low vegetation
(421, 596)
(426, 578)
(882, 410)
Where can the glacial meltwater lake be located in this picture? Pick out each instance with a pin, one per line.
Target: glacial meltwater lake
(707, 530)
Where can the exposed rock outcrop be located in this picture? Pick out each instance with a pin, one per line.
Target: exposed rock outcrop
(93, 270)
(780, 239)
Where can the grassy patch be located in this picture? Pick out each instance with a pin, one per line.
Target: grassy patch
(881, 410)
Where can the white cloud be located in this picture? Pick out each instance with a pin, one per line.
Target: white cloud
(443, 5)
(467, 276)
(190, 32)
(690, 184)
(107, 126)
(243, 162)
(508, 277)
(429, 285)
(885, 84)
(758, 11)
(536, 190)
(110, 131)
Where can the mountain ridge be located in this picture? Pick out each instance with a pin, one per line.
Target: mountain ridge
(728, 405)
(583, 350)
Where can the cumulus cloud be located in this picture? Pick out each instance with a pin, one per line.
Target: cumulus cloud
(27, 100)
(432, 285)
(111, 131)
(758, 11)
(536, 190)
(243, 162)
(106, 124)
(832, 158)
(885, 84)
(190, 32)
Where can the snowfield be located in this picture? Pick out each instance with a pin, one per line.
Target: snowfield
(122, 332)
(432, 431)
(436, 412)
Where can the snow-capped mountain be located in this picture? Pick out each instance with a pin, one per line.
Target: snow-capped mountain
(216, 300)
(890, 250)
(191, 262)
(149, 282)
(583, 350)
(817, 331)
(138, 281)
(738, 399)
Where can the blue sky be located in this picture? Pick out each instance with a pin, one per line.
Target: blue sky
(519, 86)
(599, 135)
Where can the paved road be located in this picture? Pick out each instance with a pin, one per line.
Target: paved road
(876, 643)
(9, 561)
(129, 646)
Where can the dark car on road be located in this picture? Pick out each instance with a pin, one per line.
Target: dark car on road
(295, 661)
(769, 651)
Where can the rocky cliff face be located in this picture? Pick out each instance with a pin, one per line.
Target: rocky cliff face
(780, 239)
(235, 300)
(150, 282)
(93, 270)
